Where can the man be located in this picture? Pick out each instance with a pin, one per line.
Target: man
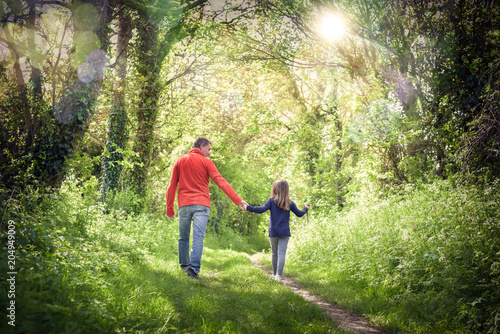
(190, 178)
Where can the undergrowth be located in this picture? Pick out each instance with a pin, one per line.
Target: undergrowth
(83, 269)
(427, 261)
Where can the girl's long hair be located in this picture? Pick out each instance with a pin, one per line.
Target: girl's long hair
(279, 191)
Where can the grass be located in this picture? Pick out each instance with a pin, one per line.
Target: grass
(427, 261)
(423, 262)
(119, 273)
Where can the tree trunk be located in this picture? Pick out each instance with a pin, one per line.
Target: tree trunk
(149, 67)
(151, 53)
(117, 132)
(340, 183)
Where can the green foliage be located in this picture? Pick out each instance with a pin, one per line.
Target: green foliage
(53, 142)
(379, 123)
(83, 271)
(482, 142)
(48, 133)
(19, 147)
(428, 258)
(366, 124)
(252, 186)
(116, 164)
(113, 159)
(125, 200)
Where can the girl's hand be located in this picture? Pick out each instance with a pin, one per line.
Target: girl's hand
(307, 206)
(243, 205)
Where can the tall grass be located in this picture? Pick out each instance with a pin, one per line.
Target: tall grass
(424, 262)
(427, 261)
(83, 269)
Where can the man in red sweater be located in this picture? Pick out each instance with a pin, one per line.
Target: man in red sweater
(190, 177)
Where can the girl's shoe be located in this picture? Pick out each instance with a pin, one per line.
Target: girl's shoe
(278, 278)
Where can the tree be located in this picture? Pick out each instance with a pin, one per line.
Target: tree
(117, 130)
(158, 30)
(75, 107)
(481, 146)
(441, 51)
(51, 131)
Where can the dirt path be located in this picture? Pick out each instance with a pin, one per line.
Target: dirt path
(347, 321)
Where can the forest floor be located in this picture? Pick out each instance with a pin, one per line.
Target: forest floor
(347, 321)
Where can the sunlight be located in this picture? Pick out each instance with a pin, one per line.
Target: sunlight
(332, 27)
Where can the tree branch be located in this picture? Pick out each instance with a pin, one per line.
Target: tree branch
(190, 5)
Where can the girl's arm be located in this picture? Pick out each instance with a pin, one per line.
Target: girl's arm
(298, 213)
(260, 209)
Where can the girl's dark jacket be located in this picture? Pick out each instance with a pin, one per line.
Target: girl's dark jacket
(279, 222)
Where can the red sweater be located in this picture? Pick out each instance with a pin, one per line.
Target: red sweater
(191, 177)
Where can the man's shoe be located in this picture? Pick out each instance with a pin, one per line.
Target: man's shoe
(277, 278)
(191, 273)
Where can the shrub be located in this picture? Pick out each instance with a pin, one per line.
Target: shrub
(433, 253)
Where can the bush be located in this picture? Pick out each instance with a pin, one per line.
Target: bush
(78, 265)
(433, 253)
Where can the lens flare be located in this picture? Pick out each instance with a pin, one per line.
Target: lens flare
(332, 27)
(37, 58)
(86, 72)
(93, 67)
(86, 17)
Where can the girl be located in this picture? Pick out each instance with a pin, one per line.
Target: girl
(280, 205)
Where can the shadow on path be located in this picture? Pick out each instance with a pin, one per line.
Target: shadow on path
(346, 320)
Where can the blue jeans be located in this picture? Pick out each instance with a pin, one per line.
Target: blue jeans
(198, 214)
(278, 251)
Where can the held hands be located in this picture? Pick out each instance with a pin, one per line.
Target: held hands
(243, 205)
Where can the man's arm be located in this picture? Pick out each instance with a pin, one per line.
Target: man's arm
(171, 190)
(222, 183)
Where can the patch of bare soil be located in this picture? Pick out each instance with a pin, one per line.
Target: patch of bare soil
(347, 321)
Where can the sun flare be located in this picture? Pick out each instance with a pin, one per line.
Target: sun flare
(332, 27)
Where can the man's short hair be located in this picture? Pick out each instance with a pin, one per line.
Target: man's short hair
(201, 141)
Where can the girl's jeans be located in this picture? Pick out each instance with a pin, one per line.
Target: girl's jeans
(198, 214)
(278, 249)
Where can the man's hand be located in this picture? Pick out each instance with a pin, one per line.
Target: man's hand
(171, 217)
(243, 205)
